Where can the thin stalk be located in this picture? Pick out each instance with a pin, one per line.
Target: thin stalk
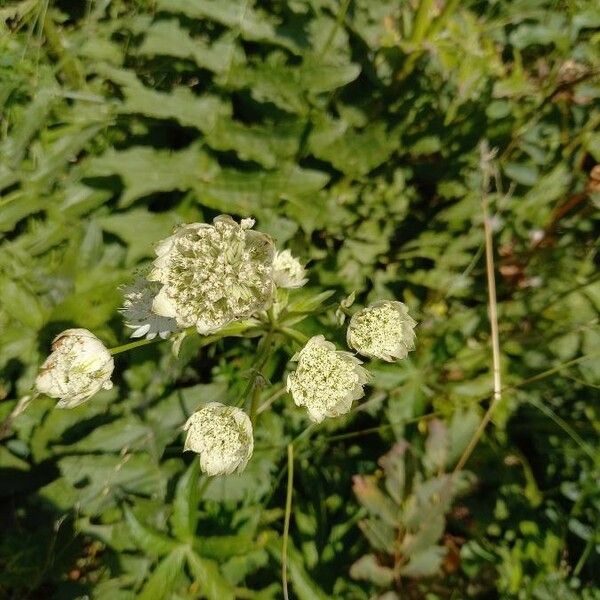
(486, 168)
(20, 406)
(286, 522)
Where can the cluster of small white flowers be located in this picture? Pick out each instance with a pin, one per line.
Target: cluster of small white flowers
(222, 436)
(138, 314)
(206, 276)
(382, 330)
(288, 272)
(326, 381)
(78, 367)
(213, 274)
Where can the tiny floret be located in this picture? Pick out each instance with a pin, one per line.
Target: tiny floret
(214, 274)
(288, 272)
(138, 314)
(78, 367)
(382, 330)
(222, 436)
(326, 381)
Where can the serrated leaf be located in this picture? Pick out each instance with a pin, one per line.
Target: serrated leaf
(150, 541)
(180, 103)
(352, 152)
(268, 145)
(146, 170)
(253, 24)
(168, 38)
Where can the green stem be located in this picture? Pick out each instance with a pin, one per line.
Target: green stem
(286, 523)
(263, 357)
(422, 19)
(131, 345)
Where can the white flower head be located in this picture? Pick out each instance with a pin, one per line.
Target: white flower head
(78, 367)
(137, 311)
(287, 271)
(222, 436)
(213, 274)
(326, 381)
(382, 330)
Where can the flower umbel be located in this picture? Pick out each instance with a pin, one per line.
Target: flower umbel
(326, 381)
(213, 274)
(287, 271)
(78, 367)
(382, 330)
(137, 311)
(222, 436)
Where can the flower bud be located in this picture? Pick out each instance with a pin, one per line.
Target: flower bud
(222, 436)
(326, 381)
(287, 271)
(78, 367)
(382, 330)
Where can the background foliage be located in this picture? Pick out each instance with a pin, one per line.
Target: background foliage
(350, 130)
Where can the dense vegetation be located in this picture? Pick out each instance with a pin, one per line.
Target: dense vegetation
(352, 131)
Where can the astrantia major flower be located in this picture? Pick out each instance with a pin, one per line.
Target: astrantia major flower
(138, 314)
(326, 381)
(287, 271)
(213, 274)
(78, 367)
(382, 330)
(222, 436)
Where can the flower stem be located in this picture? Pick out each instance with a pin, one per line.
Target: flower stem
(286, 523)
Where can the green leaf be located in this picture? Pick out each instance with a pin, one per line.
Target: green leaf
(368, 569)
(21, 304)
(180, 103)
(304, 586)
(211, 583)
(168, 38)
(268, 145)
(148, 540)
(140, 229)
(425, 563)
(436, 447)
(354, 153)
(161, 583)
(395, 472)
(145, 170)
(374, 500)
(253, 24)
(185, 504)
(381, 536)
(223, 547)
(462, 427)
